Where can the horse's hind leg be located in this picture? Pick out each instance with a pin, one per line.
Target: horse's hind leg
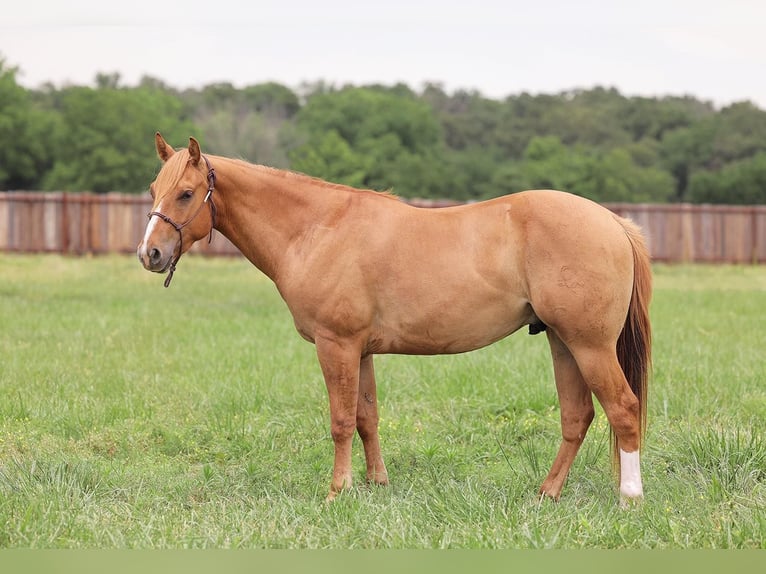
(576, 414)
(367, 422)
(605, 377)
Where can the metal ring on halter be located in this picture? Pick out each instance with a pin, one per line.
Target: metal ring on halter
(178, 227)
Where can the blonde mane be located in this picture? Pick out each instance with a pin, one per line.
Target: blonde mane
(315, 181)
(172, 171)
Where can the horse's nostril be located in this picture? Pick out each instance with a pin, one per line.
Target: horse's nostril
(155, 255)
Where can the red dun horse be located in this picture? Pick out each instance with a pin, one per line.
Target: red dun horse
(363, 273)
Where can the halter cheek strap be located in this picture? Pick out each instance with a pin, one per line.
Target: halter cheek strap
(179, 226)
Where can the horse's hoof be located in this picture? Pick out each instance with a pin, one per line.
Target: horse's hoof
(630, 502)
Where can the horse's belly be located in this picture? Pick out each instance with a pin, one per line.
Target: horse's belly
(451, 329)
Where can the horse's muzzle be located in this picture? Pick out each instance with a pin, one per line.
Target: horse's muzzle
(153, 258)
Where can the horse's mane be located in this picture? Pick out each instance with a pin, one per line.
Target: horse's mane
(174, 168)
(315, 181)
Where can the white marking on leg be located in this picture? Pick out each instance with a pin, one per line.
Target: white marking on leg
(630, 475)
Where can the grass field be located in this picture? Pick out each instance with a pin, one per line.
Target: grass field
(133, 416)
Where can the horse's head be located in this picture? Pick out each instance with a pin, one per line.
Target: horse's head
(178, 217)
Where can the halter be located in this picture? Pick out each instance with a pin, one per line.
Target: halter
(178, 227)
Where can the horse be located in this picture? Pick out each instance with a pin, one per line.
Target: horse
(364, 273)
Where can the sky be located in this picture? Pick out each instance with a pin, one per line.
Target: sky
(714, 50)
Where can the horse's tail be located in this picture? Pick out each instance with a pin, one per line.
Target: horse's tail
(634, 346)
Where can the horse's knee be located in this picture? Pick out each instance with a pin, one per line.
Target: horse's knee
(342, 429)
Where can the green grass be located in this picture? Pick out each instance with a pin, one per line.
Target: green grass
(133, 416)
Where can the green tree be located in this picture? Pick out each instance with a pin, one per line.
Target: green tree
(396, 134)
(739, 182)
(651, 118)
(613, 175)
(739, 133)
(24, 129)
(466, 174)
(468, 119)
(272, 99)
(252, 123)
(331, 158)
(363, 114)
(596, 142)
(104, 140)
(735, 133)
(547, 164)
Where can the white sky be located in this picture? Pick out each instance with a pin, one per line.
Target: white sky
(712, 49)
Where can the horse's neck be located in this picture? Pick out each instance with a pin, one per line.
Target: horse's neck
(263, 211)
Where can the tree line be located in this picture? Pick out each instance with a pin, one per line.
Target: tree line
(429, 143)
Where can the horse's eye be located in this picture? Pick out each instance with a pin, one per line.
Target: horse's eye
(186, 194)
(151, 192)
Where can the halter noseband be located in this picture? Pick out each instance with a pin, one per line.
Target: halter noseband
(178, 227)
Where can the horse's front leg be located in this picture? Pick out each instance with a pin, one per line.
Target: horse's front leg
(367, 422)
(340, 367)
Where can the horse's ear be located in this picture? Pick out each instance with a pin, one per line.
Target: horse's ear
(163, 149)
(194, 152)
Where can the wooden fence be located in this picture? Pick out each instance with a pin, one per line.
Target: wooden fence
(680, 233)
(80, 223)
